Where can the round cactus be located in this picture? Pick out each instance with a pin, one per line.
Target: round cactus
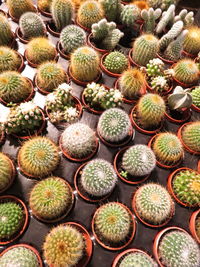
(192, 40)
(114, 125)
(51, 198)
(6, 35)
(137, 259)
(191, 137)
(6, 172)
(14, 87)
(138, 160)
(72, 37)
(64, 246)
(44, 5)
(9, 60)
(196, 96)
(116, 62)
(98, 178)
(38, 156)
(112, 222)
(19, 7)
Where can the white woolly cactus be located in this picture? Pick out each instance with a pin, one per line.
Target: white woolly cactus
(160, 84)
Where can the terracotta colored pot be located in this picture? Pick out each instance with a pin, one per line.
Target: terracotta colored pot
(52, 29)
(186, 54)
(62, 52)
(187, 116)
(16, 19)
(131, 59)
(116, 163)
(20, 36)
(120, 246)
(192, 224)
(34, 65)
(45, 13)
(198, 168)
(13, 175)
(81, 26)
(12, 198)
(164, 93)
(166, 61)
(92, 44)
(22, 65)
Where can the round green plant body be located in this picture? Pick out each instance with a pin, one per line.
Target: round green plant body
(112, 222)
(72, 37)
(192, 40)
(178, 249)
(186, 186)
(129, 15)
(155, 67)
(14, 87)
(38, 156)
(6, 35)
(138, 160)
(6, 171)
(51, 198)
(11, 219)
(98, 178)
(114, 125)
(9, 60)
(19, 7)
(116, 62)
(196, 96)
(64, 246)
(137, 259)
(112, 9)
(44, 5)
(191, 136)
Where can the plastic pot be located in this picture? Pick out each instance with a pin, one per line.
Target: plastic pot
(35, 65)
(92, 44)
(20, 36)
(192, 225)
(187, 54)
(44, 13)
(81, 26)
(131, 59)
(166, 61)
(62, 52)
(186, 117)
(52, 29)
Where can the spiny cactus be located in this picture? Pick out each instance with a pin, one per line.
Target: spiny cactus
(145, 48)
(72, 37)
(31, 25)
(116, 62)
(64, 245)
(192, 41)
(112, 9)
(89, 12)
(178, 248)
(112, 222)
(197, 226)
(98, 178)
(155, 67)
(137, 259)
(179, 99)
(38, 156)
(14, 87)
(165, 19)
(129, 15)
(44, 5)
(163, 4)
(191, 137)
(186, 16)
(85, 64)
(159, 84)
(6, 172)
(150, 16)
(19, 7)
(9, 60)
(62, 12)
(138, 160)
(6, 35)
(196, 96)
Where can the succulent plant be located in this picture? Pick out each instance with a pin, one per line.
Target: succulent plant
(112, 222)
(85, 64)
(186, 16)
(112, 9)
(150, 16)
(137, 259)
(196, 96)
(78, 140)
(39, 50)
(129, 15)
(38, 156)
(116, 62)
(6, 35)
(44, 5)
(145, 48)
(19, 7)
(62, 13)
(6, 171)
(14, 87)
(192, 41)
(72, 37)
(9, 60)
(64, 245)
(160, 84)
(163, 4)
(155, 67)
(165, 19)
(138, 160)
(197, 226)
(174, 245)
(11, 219)
(180, 99)
(191, 137)
(186, 186)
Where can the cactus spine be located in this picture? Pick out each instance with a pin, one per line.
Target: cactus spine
(196, 96)
(19, 7)
(137, 259)
(192, 41)
(150, 16)
(191, 137)
(116, 62)
(6, 172)
(9, 60)
(6, 35)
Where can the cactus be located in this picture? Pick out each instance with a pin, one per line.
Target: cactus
(9, 60)
(192, 40)
(163, 4)
(64, 246)
(186, 186)
(50, 75)
(78, 140)
(89, 12)
(151, 110)
(145, 48)
(19, 7)
(6, 172)
(186, 16)
(72, 37)
(62, 13)
(6, 35)
(116, 62)
(98, 178)
(155, 67)
(85, 64)
(196, 96)
(112, 222)
(38, 156)
(165, 19)
(137, 259)
(112, 9)
(197, 226)
(11, 219)
(31, 25)
(191, 137)
(129, 15)
(178, 248)
(138, 160)
(150, 16)
(14, 87)
(40, 49)
(180, 99)
(44, 5)
(160, 84)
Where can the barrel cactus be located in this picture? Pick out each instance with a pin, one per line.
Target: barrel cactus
(7, 172)
(19, 7)
(129, 15)
(116, 62)
(137, 259)
(196, 96)
(9, 59)
(6, 35)
(192, 41)
(191, 137)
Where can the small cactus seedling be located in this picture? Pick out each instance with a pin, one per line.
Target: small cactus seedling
(114, 125)
(98, 178)
(180, 99)
(116, 62)
(137, 259)
(6, 35)
(6, 172)
(155, 67)
(9, 59)
(129, 15)
(19, 7)
(64, 246)
(44, 5)
(112, 9)
(192, 41)
(160, 84)
(191, 136)
(196, 96)
(38, 157)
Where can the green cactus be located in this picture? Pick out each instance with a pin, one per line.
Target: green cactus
(112, 222)
(196, 96)
(160, 84)
(155, 67)
(6, 172)
(85, 64)
(178, 248)
(191, 137)
(167, 17)
(14, 87)
(18, 7)
(44, 5)
(9, 59)
(186, 16)
(89, 12)
(64, 246)
(129, 15)
(62, 13)
(72, 37)
(116, 62)
(192, 41)
(6, 35)
(197, 226)
(137, 259)
(150, 16)
(112, 9)
(38, 157)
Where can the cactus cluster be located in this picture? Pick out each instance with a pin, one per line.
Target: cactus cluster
(196, 96)
(19, 7)
(116, 62)
(191, 137)
(112, 9)
(150, 16)
(163, 4)
(129, 14)
(6, 172)
(180, 99)
(137, 259)
(9, 59)
(192, 41)
(159, 84)
(155, 67)
(6, 35)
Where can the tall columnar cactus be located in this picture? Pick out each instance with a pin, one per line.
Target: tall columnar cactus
(89, 12)
(112, 9)
(129, 15)
(31, 25)
(9, 60)
(64, 245)
(150, 16)
(98, 178)
(18, 7)
(196, 96)
(192, 41)
(138, 160)
(116, 62)
(145, 48)
(112, 222)
(151, 110)
(163, 4)
(85, 64)
(72, 37)
(114, 125)
(6, 171)
(137, 259)
(44, 5)
(62, 13)
(6, 35)
(38, 156)
(165, 19)
(191, 137)
(186, 16)
(177, 248)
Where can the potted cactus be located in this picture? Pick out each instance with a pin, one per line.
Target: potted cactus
(192, 42)
(44, 7)
(195, 225)
(7, 172)
(10, 60)
(149, 16)
(112, 9)
(6, 34)
(195, 93)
